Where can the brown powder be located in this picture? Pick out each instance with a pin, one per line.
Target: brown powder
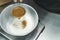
(24, 23)
(18, 12)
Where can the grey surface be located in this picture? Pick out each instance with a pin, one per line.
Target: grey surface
(51, 22)
(2, 37)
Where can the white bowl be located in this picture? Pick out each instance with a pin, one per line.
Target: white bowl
(6, 17)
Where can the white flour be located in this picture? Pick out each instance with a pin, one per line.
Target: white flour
(15, 27)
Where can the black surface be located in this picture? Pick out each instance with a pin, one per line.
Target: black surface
(50, 5)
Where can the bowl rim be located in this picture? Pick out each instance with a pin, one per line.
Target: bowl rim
(28, 6)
